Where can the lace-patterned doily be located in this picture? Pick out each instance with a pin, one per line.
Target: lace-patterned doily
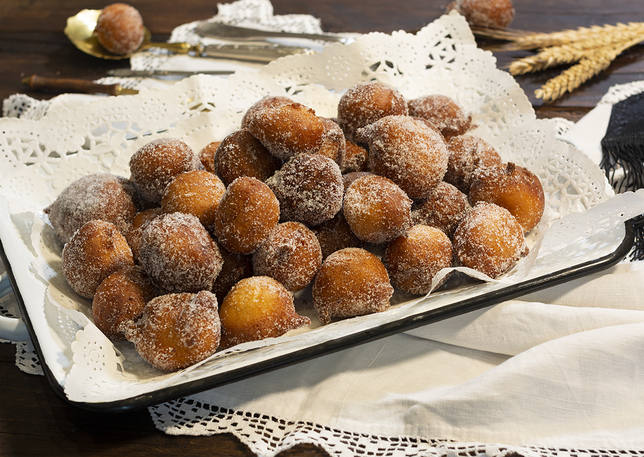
(75, 138)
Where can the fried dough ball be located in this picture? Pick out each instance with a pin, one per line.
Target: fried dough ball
(335, 234)
(489, 239)
(270, 101)
(235, 268)
(287, 129)
(355, 158)
(119, 28)
(135, 232)
(241, 154)
(246, 215)
(467, 154)
(444, 208)
(334, 144)
(443, 112)
(291, 254)
(413, 259)
(309, 188)
(196, 192)
(207, 156)
(348, 178)
(514, 188)
(408, 152)
(351, 282)
(485, 13)
(176, 330)
(178, 254)
(95, 251)
(121, 297)
(376, 209)
(98, 196)
(256, 308)
(157, 163)
(367, 102)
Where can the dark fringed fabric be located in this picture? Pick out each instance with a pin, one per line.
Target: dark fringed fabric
(623, 150)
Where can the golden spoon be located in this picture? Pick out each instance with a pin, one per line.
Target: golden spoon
(80, 31)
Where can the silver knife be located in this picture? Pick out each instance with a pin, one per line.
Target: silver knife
(261, 53)
(127, 73)
(234, 32)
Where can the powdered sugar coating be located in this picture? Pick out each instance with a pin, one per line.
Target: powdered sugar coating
(291, 255)
(176, 330)
(333, 143)
(444, 208)
(309, 188)
(98, 196)
(348, 178)
(486, 13)
(367, 102)
(246, 215)
(157, 163)
(196, 192)
(287, 129)
(335, 234)
(489, 239)
(95, 251)
(121, 297)
(241, 154)
(355, 158)
(514, 188)
(235, 268)
(443, 112)
(412, 260)
(207, 156)
(351, 282)
(376, 209)
(270, 101)
(135, 231)
(467, 154)
(408, 152)
(178, 254)
(119, 28)
(256, 308)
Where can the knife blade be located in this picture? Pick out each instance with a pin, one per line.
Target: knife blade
(127, 73)
(248, 52)
(234, 32)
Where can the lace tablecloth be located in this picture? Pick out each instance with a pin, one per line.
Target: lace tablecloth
(552, 374)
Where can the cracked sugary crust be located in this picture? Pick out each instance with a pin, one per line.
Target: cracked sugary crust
(120, 297)
(333, 142)
(408, 152)
(178, 254)
(489, 239)
(351, 282)
(241, 154)
(335, 234)
(119, 28)
(413, 259)
(98, 196)
(95, 251)
(443, 113)
(444, 208)
(291, 255)
(157, 163)
(263, 103)
(135, 231)
(234, 268)
(355, 158)
(207, 156)
(514, 188)
(486, 13)
(246, 215)
(256, 308)
(176, 330)
(376, 209)
(367, 102)
(467, 154)
(309, 188)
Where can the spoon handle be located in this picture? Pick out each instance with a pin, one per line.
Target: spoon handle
(37, 82)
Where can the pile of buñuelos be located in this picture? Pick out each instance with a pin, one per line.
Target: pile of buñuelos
(200, 251)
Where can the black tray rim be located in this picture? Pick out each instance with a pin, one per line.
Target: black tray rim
(444, 312)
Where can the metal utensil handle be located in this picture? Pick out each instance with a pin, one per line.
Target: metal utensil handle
(245, 33)
(37, 82)
(11, 328)
(177, 48)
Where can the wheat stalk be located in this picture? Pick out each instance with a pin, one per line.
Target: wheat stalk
(569, 53)
(589, 66)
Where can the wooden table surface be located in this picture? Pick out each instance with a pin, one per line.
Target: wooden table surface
(33, 421)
